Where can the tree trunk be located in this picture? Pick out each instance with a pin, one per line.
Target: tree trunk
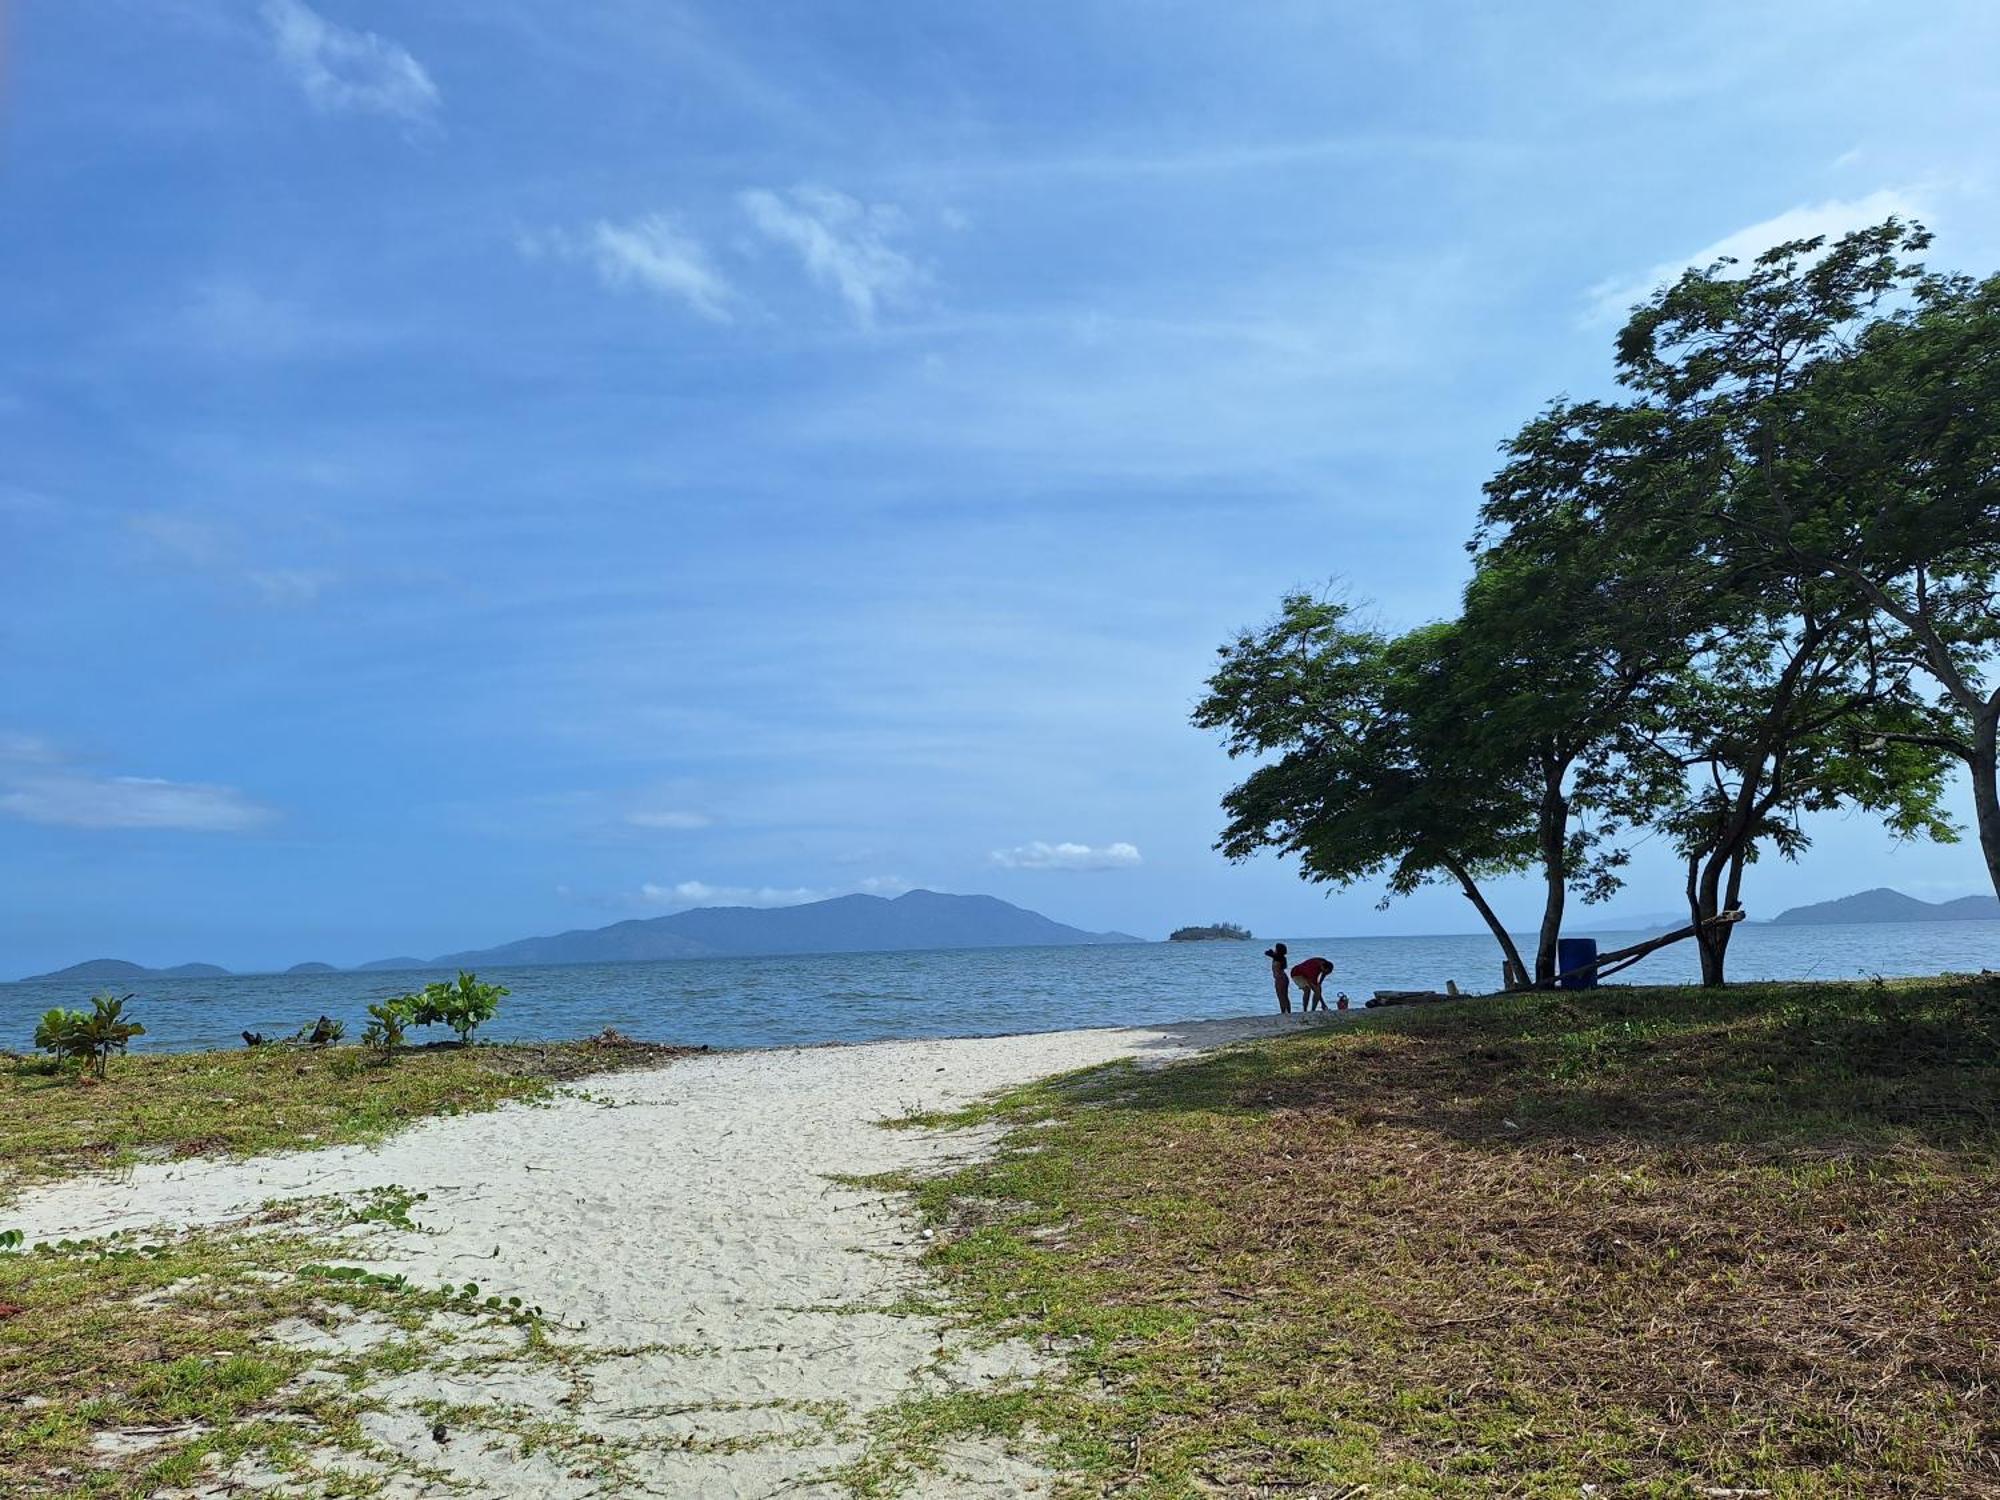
(1553, 833)
(1493, 923)
(1704, 890)
(1985, 793)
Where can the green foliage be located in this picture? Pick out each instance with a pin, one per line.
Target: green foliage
(1761, 587)
(1365, 767)
(388, 1020)
(87, 1038)
(464, 1005)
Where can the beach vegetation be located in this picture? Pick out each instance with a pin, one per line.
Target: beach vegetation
(1667, 1242)
(464, 1004)
(87, 1038)
(388, 1022)
(168, 1105)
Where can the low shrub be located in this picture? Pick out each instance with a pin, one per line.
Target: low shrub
(87, 1038)
(464, 1005)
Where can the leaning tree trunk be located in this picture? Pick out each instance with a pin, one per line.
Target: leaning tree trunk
(1983, 765)
(1517, 971)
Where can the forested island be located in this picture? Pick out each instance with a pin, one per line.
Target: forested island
(1215, 932)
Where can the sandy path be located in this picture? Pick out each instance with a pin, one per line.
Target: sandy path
(680, 1225)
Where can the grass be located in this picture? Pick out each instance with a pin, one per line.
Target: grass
(140, 1363)
(132, 1364)
(1661, 1242)
(264, 1099)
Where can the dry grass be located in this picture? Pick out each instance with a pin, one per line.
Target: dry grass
(1660, 1242)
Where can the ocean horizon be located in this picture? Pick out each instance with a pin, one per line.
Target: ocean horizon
(795, 999)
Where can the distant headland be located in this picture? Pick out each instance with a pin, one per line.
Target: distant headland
(843, 924)
(1885, 905)
(1215, 932)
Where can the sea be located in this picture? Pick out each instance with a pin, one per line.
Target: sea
(855, 997)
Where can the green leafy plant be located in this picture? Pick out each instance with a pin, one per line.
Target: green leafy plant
(88, 1038)
(463, 1005)
(388, 1020)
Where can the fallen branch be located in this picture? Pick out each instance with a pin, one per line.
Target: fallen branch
(1624, 958)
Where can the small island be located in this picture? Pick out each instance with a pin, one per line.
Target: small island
(1217, 932)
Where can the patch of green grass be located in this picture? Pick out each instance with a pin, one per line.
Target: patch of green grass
(1656, 1241)
(161, 1349)
(263, 1099)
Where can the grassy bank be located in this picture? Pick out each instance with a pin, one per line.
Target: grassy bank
(1663, 1242)
(254, 1100)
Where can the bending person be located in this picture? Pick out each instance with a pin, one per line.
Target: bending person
(1310, 975)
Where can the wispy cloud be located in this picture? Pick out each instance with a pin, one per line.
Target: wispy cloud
(341, 69)
(1067, 856)
(843, 243)
(667, 819)
(40, 785)
(227, 318)
(1613, 297)
(190, 543)
(652, 253)
(700, 893)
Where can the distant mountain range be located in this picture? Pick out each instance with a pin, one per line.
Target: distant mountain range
(1885, 905)
(99, 970)
(844, 924)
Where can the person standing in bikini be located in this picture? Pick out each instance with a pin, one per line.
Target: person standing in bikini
(1280, 978)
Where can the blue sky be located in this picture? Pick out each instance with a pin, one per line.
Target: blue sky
(478, 467)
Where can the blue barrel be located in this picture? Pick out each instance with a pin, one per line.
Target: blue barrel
(1574, 953)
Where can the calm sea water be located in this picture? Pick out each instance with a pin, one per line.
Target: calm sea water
(761, 1002)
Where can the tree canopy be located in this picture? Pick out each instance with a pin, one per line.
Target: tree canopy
(1760, 586)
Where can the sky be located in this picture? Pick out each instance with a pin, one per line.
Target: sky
(474, 468)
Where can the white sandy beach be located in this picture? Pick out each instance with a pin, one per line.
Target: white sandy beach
(681, 1227)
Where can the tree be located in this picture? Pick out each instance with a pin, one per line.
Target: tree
(1370, 775)
(1740, 439)
(1906, 513)
(1576, 617)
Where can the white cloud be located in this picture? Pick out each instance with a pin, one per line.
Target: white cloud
(885, 885)
(38, 784)
(1611, 299)
(343, 69)
(668, 819)
(701, 893)
(842, 242)
(1066, 856)
(653, 253)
